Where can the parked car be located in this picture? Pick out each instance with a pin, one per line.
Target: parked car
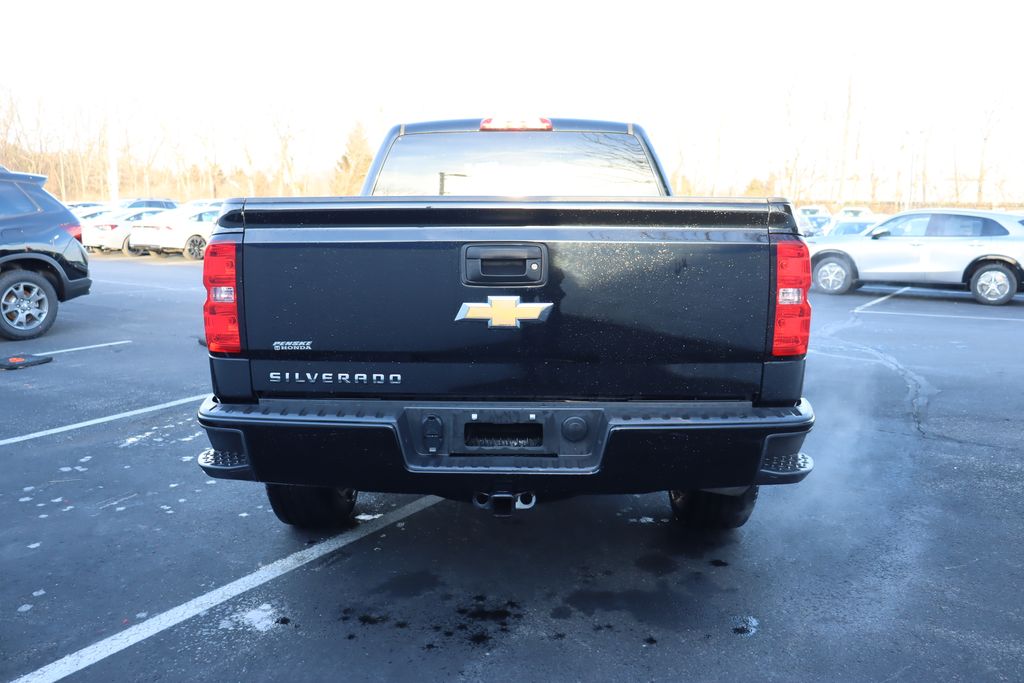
(980, 250)
(804, 225)
(853, 212)
(42, 262)
(111, 230)
(144, 202)
(202, 203)
(95, 212)
(185, 231)
(82, 206)
(851, 226)
(818, 215)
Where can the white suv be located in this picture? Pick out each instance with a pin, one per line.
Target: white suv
(982, 250)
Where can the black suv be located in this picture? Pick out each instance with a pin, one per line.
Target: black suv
(42, 261)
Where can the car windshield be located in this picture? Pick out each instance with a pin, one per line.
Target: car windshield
(523, 163)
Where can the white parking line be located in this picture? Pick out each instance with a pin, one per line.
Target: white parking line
(87, 656)
(943, 315)
(101, 420)
(83, 348)
(879, 300)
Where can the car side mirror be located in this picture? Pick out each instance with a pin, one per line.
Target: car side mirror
(880, 233)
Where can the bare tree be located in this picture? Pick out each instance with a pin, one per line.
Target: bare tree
(351, 169)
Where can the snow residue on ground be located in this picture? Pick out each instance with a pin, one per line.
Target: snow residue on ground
(260, 619)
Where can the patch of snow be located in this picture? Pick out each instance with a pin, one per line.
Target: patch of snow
(132, 440)
(33, 546)
(39, 593)
(260, 619)
(365, 517)
(24, 608)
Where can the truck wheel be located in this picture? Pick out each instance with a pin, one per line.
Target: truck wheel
(704, 510)
(28, 305)
(311, 506)
(993, 284)
(833, 275)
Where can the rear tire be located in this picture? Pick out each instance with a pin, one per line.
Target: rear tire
(994, 284)
(311, 507)
(195, 248)
(705, 510)
(833, 275)
(128, 250)
(28, 305)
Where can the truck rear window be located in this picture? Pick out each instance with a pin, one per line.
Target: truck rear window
(525, 163)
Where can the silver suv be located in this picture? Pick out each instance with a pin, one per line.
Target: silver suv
(982, 250)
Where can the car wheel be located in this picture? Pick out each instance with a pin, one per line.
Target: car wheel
(994, 284)
(705, 510)
(128, 250)
(28, 305)
(833, 275)
(195, 247)
(311, 507)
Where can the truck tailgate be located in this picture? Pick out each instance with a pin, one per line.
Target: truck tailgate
(648, 300)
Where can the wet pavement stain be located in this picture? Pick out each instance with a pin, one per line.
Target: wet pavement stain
(410, 585)
(561, 612)
(719, 563)
(372, 620)
(661, 606)
(658, 564)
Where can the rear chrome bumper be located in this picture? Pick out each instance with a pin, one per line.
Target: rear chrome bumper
(408, 447)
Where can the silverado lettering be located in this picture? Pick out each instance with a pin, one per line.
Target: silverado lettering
(332, 377)
(634, 342)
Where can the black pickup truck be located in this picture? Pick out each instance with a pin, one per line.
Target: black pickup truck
(514, 312)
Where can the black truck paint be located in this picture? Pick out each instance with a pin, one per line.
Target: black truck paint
(651, 369)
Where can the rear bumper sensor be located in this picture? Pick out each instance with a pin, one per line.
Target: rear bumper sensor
(549, 449)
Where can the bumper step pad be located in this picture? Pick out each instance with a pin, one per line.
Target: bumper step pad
(785, 469)
(225, 464)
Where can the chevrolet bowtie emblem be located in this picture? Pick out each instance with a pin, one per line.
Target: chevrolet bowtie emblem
(504, 311)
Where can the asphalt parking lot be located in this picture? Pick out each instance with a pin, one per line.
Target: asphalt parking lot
(899, 558)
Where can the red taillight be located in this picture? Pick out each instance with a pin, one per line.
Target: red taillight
(516, 124)
(792, 328)
(73, 229)
(220, 313)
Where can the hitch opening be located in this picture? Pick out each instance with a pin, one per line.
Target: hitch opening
(501, 504)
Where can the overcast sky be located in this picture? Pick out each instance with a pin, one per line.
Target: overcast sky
(737, 84)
